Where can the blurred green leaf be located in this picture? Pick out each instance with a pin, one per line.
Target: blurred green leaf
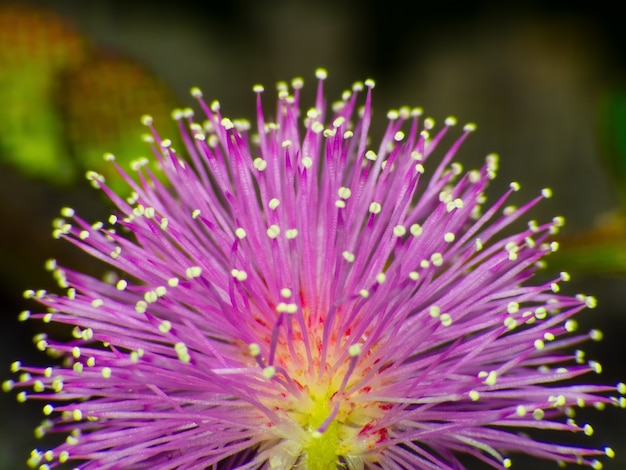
(35, 47)
(612, 137)
(102, 103)
(601, 250)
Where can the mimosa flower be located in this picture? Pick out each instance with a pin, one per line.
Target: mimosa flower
(300, 297)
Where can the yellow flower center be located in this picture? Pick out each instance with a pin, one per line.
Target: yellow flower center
(329, 420)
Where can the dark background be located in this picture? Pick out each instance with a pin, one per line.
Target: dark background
(531, 74)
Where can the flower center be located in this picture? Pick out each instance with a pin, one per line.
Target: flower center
(329, 416)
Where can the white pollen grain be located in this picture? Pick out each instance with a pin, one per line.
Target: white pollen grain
(371, 155)
(348, 256)
(375, 208)
(273, 231)
(274, 203)
(399, 230)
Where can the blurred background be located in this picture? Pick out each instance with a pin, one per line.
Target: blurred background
(544, 80)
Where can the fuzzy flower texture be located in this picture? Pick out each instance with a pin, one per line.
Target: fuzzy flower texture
(299, 297)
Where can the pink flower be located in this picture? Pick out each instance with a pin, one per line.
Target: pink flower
(304, 298)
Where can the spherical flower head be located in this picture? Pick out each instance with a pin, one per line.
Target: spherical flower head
(298, 296)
